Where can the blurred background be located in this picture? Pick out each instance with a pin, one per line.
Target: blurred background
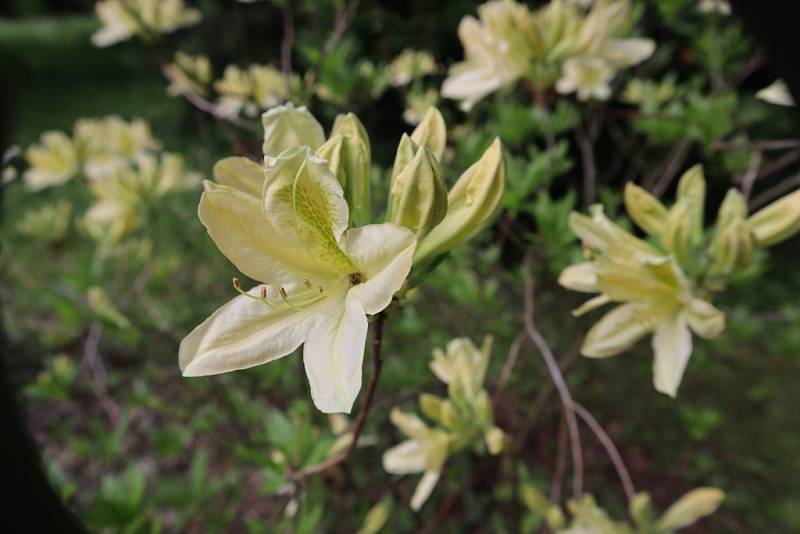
(93, 314)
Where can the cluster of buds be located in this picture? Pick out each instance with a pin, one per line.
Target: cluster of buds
(562, 45)
(464, 420)
(586, 516)
(664, 284)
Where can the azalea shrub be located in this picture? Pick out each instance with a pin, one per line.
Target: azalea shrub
(275, 266)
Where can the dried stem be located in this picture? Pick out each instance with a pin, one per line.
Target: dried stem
(589, 165)
(611, 449)
(558, 381)
(204, 105)
(774, 192)
(508, 366)
(674, 163)
(752, 173)
(288, 40)
(358, 427)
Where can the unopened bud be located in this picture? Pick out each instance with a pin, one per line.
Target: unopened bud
(646, 210)
(778, 221)
(431, 133)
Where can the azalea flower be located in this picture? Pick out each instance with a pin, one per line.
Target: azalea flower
(122, 19)
(188, 74)
(251, 90)
(575, 46)
(410, 65)
(425, 452)
(285, 224)
(48, 223)
(53, 161)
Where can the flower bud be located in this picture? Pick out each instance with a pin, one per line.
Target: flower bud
(287, 126)
(349, 125)
(470, 204)
(646, 210)
(692, 191)
(679, 236)
(778, 221)
(431, 406)
(418, 194)
(495, 440)
(431, 133)
(732, 248)
(349, 160)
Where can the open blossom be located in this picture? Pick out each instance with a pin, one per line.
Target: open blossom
(285, 224)
(662, 287)
(254, 89)
(122, 19)
(52, 161)
(464, 419)
(576, 48)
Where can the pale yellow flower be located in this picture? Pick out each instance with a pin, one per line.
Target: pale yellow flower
(410, 65)
(285, 224)
(52, 161)
(122, 19)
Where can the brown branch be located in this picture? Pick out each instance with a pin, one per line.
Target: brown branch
(209, 107)
(508, 367)
(288, 40)
(611, 449)
(361, 419)
(752, 173)
(589, 165)
(772, 144)
(673, 165)
(558, 381)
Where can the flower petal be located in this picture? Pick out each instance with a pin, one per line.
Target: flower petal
(615, 332)
(383, 255)
(580, 277)
(241, 174)
(424, 489)
(704, 318)
(406, 458)
(305, 203)
(333, 356)
(626, 52)
(243, 333)
(287, 126)
(238, 227)
(672, 344)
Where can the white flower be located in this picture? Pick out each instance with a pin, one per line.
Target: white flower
(123, 19)
(53, 161)
(285, 225)
(589, 76)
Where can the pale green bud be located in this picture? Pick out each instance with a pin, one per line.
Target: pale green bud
(418, 194)
(449, 415)
(287, 126)
(431, 406)
(471, 204)
(646, 210)
(733, 207)
(431, 133)
(678, 236)
(376, 517)
(688, 509)
(778, 221)
(483, 408)
(732, 248)
(349, 125)
(349, 161)
(495, 440)
(534, 499)
(554, 517)
(692, 191)
(640, 508)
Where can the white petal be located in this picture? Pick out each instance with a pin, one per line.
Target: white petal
(615, 332)
(243, 333)
(383, 253)
(706, 320)
(627, 52)
(579, 277)
(242, 174)
(405, 458)
(424, 489)
(333, 355)
(672, 344)
(238, 227)
(470, 82)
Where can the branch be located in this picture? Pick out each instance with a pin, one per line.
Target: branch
(611, 449)
(288, 40)
(358, 427)
(558, 381)
(508, 366)
(589, 165)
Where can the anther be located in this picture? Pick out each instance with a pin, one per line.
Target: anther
(307, 282)
(356, 278)
(237, 284)
(283, 292)
(263, 292)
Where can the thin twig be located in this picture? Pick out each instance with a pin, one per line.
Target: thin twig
(589, 165)
(561, 462)
(774, 192)
(288, 40)
(209, 107)
(358, 427)
(772, 144)
(342, 22)
(674, 163)
(611, 449)
(752, 173)
(558, 381)
(508, 366)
